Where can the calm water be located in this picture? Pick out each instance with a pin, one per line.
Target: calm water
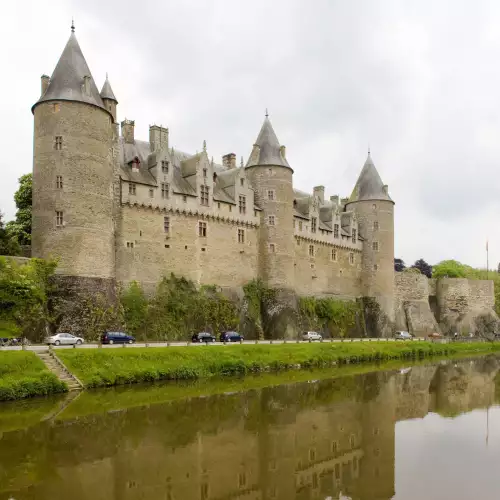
(425, 432)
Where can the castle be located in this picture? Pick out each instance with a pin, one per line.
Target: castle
(114, 209)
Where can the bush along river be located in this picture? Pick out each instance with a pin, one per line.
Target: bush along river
(422, 430)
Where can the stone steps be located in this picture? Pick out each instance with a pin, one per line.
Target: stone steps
(62, 374)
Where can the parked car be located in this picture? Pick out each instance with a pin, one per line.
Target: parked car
(203, 337)
(311, 336)
(435, 335)
(403, 336)
(117, 338)
(64, 339)
(231, 337)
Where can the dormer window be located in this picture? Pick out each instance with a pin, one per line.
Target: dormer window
(136, 164)
(164, 166)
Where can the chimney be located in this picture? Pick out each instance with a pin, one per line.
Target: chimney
(319, 192)
(385, 188)
(229, 161)
(283, 152)
(158, 138)
(45, 83)
(335, 199)
(128, 130)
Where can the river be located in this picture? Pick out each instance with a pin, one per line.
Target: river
(428, 431)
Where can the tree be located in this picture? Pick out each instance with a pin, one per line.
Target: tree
(20, 228)
(453, 269)
(135, 305)
(399, 265)
(8, 244)
(423, 267)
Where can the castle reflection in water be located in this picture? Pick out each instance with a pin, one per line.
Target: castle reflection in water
(315, 440)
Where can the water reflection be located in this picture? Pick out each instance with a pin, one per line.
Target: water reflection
(313, 440)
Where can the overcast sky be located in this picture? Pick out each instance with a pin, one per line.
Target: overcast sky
(418, 81)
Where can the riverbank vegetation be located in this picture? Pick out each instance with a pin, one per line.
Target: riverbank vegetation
(24, 375)
(108, 367)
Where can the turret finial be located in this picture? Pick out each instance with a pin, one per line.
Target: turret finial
(72, 25)
(267, 113)
(204, 145)
(241, 164)
(368, 150)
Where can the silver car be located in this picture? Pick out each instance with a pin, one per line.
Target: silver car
(311, 336)
(64, 339)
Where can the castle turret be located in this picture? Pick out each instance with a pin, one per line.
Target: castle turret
(375, 211)
(108, 98)
(271, 178)
(73, 171)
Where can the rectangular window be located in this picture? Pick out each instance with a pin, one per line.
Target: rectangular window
(334, 254)
(335, 230)
(59, 182)
(204, 195)
(272, 247)
(271, 220)
(166, 224)
(354, 235)
(242, 479)
(131, 188)
(375, 225)
(151, 193)
(298, 242)
(311, 250)
(204, 172)
(351, 258)
(58, 142)
(59, 218)
(241, 236)
(230, 208)
(184, 198)
(300, 225)
(165, 190)
(130, 244)
(243, 204)
(202, 229)
(242, 182)
(271, 194)
(164, 166)
(314, 222)
(375, 246)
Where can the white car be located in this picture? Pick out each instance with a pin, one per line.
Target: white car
(311, 336)
(64, 339)
(403, 336)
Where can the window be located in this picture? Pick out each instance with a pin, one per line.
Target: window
(242, 182)
(312, 455)
(271, 194)
(218, 206)
(298, 242)
(165, 190)
(204, 172)
(311, 250)
(271, 220)
(351, 258)
(352, 441)
(131, 188)
(335, 446)
(204, 491)
(59, 182)
(374, 206)
(375, 225)
(314, 222)
(255, 213)
(334, 254)
(204, 195)
(243, 204)
(56, 107)
(166, 224)
(59, 218)
(202, 229)
(58, 142)
(241, 236)
(242, 479)
(272, 247)
(335, 230)
(130, 244)
(184, 198)
(230, 208)
(164, 166)
(300, 225)
(375, 267)
(375, 246)
(354, 236)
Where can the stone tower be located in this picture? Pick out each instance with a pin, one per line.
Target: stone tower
(375, 211)
(271, 178)
(73, 170)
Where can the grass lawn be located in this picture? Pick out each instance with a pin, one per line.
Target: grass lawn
(107, 367)
(23, 375)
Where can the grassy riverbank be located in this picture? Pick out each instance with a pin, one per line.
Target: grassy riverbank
(24, 375)
(108, 367)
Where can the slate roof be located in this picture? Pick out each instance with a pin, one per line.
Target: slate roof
(369, 185)
(66, 82)
(269, 148)
(107, 91)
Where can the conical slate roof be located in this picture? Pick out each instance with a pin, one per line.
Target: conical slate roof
(369, 185)
(107, 92)
(269, 148)
(67, 81)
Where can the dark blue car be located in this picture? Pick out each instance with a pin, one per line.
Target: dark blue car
(231, 337)
(117, 338)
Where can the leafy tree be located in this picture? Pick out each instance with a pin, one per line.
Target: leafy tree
(20, 228)
(423, 267)
(8, 244)
(135, 305)
(452, 269)
(399, 265)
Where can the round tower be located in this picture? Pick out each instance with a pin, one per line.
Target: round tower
(73, 171)
(375, 211)
(271, 178)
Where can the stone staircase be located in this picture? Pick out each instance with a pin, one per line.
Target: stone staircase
(53, 363)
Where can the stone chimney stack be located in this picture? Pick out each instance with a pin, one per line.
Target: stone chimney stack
(335, 199)
(128, 130)
(229, 161)
(158, 138)
(319, 192)
(45, 83)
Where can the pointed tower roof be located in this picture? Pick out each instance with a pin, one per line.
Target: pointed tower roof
(269, 151)
(369, 185)
(107, 91)
(67, 82)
